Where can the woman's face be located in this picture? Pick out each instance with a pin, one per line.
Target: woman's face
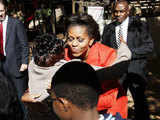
(78, 41)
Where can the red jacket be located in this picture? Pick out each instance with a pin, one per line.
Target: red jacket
(103, 56)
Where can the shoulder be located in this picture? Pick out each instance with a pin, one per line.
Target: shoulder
(103, 51)
(139, 25)
(136, 21)
(14, 20)
(110, 25)
(101, 55)
(103, 48)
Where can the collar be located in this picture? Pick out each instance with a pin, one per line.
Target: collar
(125, 22)
(6, 19)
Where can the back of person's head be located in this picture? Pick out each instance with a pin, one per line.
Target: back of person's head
(83, 19)
(77, 83)
(47, 49)
(10, 108)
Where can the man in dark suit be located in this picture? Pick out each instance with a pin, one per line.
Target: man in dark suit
(137, 36)
(14, 50)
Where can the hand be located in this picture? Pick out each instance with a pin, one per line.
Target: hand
(49, 86)
(122, 40)
(27, 98)
(23, 67)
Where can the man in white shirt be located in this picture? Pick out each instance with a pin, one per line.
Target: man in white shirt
(136, 35)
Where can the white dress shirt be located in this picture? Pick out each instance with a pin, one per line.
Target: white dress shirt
(124, 27)
(5, 21)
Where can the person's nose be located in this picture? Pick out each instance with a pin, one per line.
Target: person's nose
(75, 43)
(118, 13)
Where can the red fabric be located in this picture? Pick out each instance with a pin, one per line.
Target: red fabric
(99, 55)
(30, 18)
(1, 39)
(121, 105)
(103, 56)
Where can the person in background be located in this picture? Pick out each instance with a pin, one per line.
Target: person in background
(75, 93)
(82, 36)
(14, 50)
(137, 36)
(48, 54)
(10, 108)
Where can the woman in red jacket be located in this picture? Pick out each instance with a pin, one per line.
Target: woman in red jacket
(82, 36)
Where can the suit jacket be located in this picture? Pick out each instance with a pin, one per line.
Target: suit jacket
(16, 48)
(139, 42)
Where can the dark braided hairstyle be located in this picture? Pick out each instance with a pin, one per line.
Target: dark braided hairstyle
(47, 49)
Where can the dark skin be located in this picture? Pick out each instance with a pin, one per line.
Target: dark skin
(65, 110)
(79, 42)
(50, 60)
(121, 11)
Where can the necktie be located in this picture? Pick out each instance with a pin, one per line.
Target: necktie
(119, 36)
(1, 39)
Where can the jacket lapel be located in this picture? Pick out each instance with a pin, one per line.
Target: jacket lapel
(130, 33)
(113, 35)
(8, 30)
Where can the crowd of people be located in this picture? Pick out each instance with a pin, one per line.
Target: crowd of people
(84, 77)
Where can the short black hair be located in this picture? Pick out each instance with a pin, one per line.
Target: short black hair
(127, 1)
(10, 108)
(77, 82)
(83, 19)
(119, 1)
(47, 48)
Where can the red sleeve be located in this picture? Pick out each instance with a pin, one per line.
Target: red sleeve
(101, 55)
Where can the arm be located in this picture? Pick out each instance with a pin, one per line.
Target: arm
(27, 97)
(106, 36)
(123, 52)
(113, 72)
(22, 39)
(145, 45)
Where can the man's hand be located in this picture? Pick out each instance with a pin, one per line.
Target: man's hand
(23, 67)
(122, 40)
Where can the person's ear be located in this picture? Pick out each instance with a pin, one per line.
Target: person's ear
(91, 42)
(129, 9)
(65, 105)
